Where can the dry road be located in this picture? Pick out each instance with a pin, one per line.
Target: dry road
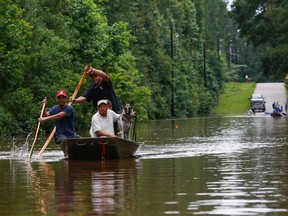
(272, 92)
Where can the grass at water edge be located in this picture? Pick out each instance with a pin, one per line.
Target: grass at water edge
(234, 100)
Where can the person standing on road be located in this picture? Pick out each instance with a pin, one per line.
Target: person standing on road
(102, 89)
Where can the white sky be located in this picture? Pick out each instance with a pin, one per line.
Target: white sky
(229, 3)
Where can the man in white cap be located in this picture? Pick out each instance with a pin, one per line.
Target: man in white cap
(63, 114)
(102, 122)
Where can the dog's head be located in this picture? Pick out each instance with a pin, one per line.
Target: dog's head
(128, 108)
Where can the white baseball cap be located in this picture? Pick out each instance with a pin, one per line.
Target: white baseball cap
(102, 102)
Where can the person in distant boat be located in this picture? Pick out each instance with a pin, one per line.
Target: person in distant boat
(102, 122)
(63, 114)
(102, 89)
(277, 110)
(250, 112)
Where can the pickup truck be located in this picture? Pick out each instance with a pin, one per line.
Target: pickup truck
(257, 103)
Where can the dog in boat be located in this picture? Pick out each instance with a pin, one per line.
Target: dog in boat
(125, 120)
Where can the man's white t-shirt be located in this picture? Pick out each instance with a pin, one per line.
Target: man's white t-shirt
(99, 122)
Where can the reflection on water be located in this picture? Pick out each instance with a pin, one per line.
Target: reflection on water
(206, 166)
(91, 186)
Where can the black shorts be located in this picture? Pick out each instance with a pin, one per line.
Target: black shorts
(60, 138)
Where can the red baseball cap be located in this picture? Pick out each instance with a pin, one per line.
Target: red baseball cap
(61, 93)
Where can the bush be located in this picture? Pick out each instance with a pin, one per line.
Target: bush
(22, 110)
(6, 122)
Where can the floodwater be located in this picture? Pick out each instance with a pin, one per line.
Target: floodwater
(234, 165)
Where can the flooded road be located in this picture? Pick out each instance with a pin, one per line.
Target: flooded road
(235, 165)
(272, 92)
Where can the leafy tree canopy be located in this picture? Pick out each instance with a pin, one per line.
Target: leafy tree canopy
(264, 23)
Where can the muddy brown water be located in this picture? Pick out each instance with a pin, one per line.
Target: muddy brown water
(235, 165)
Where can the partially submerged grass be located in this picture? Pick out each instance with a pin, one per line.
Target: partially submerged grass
(234, 100)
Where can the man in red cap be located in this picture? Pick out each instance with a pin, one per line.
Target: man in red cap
(63, 114)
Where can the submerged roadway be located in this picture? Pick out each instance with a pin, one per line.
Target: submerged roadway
(272, 92)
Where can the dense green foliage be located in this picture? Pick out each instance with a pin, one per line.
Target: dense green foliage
(175, 71)
(171, 57)
(264, 23)
(44, 47)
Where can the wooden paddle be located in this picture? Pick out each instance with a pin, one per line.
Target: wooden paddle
(36, 134)
(73, 97)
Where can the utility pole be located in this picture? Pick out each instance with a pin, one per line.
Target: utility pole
(218, 47)
(228, 51)
(172, 71)
(204, 64)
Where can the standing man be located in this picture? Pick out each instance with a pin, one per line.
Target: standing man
(102, 122)
(63, 114)
(102, 89)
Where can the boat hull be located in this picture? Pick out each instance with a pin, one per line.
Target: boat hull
(99, 148)
(276, 114)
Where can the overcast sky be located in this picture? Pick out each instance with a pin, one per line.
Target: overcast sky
(229, 3)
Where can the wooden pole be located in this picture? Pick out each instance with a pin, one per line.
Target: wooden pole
(36, 134)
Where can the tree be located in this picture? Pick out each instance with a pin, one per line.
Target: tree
(14, 44)
(264, 24)
(107, 47)
(51, 43)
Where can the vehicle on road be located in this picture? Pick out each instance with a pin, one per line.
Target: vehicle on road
(257, 103)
